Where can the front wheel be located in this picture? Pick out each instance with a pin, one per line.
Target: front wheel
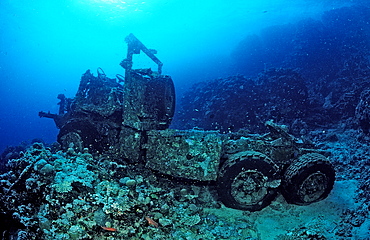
(79, 134)
(308, 180)
(248, 181)
(71, 140)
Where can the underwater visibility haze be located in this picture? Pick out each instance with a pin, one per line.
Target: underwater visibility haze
(257, 126)
(46, 46)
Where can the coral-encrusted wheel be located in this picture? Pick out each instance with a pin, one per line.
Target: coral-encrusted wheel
(71, 140)
(248, 181)
(308, 180)
(160, 102)
(79, 134)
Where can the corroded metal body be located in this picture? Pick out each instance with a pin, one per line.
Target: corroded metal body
(131, 121)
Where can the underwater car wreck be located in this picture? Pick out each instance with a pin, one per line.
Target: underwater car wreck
(130, 117)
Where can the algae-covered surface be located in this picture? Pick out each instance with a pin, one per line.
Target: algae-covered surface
(69, 195)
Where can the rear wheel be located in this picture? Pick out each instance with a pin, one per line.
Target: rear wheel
(308, 180)
(248, 181)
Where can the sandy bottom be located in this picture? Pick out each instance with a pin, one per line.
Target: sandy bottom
(281, 218)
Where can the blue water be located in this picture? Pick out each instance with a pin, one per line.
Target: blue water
(45, 46)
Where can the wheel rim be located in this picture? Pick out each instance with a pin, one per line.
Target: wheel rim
(313, 187)
(249, 187)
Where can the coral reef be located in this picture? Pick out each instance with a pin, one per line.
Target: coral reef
(312, 72)
(232, 103)
(67, 195)
(95, 193)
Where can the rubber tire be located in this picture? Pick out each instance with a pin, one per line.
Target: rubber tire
(81, 133)
(71, 139)
(161, 101)
(244, 162)
(310, 165)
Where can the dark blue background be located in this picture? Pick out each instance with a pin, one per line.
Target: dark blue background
(45, 46)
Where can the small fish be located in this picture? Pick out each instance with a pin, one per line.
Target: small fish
(109, 229)
(152, 222)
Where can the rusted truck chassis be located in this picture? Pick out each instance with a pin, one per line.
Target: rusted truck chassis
(130, 115)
